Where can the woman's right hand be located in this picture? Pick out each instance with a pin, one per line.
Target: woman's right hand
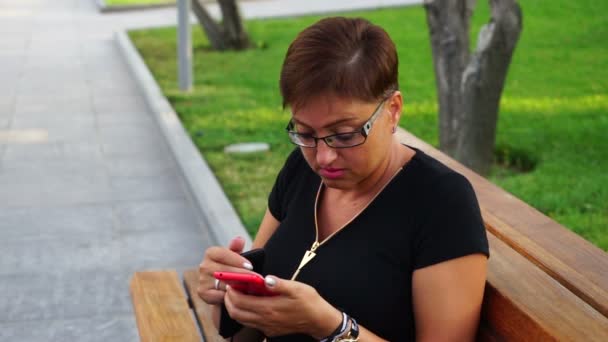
(218, 259)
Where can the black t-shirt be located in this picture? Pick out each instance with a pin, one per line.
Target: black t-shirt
(427, 214)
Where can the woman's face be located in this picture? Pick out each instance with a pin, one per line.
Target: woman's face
(346, 168)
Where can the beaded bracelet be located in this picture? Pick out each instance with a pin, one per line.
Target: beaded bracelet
(353, 334)
(344, 332)
(341, 329)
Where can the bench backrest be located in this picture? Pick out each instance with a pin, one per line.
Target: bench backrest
(544, 281)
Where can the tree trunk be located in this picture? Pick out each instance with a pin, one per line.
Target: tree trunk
(448, 22)
(469, 87)
(233, 26)
(229, 35)
(209, 26)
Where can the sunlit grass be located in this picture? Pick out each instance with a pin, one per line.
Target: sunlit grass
(546, 106)
(554, 108)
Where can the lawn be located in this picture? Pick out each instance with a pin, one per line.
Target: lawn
(554, 110)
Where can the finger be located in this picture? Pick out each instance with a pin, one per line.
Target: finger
(213, 297)
(233, 301)
(207, 282)
(212, 290)
(219, 285)
(226, 257)
(251, 303)
(210, 295)
(237, 244)
(280, 286)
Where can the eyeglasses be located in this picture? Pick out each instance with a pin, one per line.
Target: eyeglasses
(340, 140)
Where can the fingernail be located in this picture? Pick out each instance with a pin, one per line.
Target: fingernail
(248, 266)
(228, 288)
(271, 282)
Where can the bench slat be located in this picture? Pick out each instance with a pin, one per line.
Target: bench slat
(202, 310)
(161, 308)
(564, 273)
(523, 303)
(574, 262)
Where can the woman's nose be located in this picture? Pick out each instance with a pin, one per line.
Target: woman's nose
(325, 155)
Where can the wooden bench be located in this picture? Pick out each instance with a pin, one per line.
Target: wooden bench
(545, 283)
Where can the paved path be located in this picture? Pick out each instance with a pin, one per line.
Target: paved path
(89, 191)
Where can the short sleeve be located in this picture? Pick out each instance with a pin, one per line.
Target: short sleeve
(277, 200)
(451, 226)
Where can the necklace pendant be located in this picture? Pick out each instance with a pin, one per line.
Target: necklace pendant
(309, 255)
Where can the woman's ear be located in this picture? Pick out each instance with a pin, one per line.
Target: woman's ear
(395, 108)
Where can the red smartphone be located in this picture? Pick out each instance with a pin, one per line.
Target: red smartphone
(251, 284)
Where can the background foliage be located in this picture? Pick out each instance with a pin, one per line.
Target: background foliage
(552, 133)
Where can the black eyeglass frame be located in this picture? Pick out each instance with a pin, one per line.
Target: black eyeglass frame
(364, 131)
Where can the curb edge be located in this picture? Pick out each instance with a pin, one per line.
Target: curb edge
(217, 211)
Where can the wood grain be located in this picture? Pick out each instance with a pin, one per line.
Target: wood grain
(572, 261)
(161, 308)
(202, 310)
(523, 303)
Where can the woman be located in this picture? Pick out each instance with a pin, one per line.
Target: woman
(365, 238)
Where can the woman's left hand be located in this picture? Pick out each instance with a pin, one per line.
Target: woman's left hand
(298, 308)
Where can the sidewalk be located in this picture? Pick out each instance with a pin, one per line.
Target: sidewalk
(90, 190)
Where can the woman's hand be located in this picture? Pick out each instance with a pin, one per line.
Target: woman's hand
(220, 259)
(297, 308)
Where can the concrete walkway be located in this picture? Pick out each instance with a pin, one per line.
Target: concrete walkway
(89, 191)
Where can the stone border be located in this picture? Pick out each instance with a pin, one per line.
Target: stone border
(105, 8)
(217, 211)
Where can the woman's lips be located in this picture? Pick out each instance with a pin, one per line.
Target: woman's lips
(331, 173)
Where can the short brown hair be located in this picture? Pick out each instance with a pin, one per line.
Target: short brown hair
(347, 57)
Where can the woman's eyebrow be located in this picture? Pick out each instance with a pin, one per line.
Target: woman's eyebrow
(329, 125)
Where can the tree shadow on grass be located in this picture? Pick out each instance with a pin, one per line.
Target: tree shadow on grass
(509, 161)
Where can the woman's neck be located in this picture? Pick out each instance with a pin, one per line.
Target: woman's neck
(396, 158)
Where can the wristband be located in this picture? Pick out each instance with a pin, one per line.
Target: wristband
(341, 329)
(347, 331)
(353, 333)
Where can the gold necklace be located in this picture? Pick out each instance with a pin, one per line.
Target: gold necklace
(310, 254)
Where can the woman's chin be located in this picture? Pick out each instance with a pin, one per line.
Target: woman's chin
(338, 183)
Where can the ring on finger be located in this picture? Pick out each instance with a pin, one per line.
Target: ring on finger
(217, 284)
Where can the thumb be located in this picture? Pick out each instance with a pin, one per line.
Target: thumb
(237, 244)
(278, 285)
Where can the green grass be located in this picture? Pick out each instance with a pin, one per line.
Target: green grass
(137, 2)
(554, 109)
